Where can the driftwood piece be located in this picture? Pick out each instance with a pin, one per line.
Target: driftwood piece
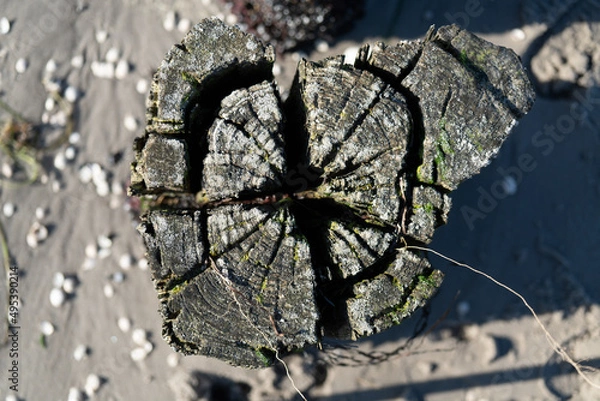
(271, 224)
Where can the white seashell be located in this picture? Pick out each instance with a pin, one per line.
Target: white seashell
(70, 153)
(31, 240)
(50, 66)
(9, 209)
(21, 65)
(138, 354)
(518, 34)
(58, 280)
(75, 394)
(118, 277)
(4, 26)
(56, 186)
(103, 70)
(101, 36)
(92, 384)
(47, 328)
(142, 86)
(104, 253)
(88, 264)
(58, 118)
(122, 69)
(112, 55)
(49, 104)
(60, 162)
(124, 324)
(125, 261)
(40, 213)
(91, 251)
(109, 291)
(139, 336)
(148, 346)
(40, 231)
(52, 85)
(102, 189)
(350, 55)
(11, 397)
(57, 297)
(130, 123)
(116, 188)
(69, 285)
(80, 352)
(71, 94)
(104, 241)
(74, 138)
(322, 46)
(143, 264)
(85, 174)
(173, 360)
(276, 69)
(170, 21)
(77, 61)
(7, 170)
(184, 25)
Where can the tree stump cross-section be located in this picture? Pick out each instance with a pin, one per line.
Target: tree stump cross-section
(271, 224)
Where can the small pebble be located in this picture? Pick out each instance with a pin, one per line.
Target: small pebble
(58, 280)
(463, 308)
(147, 346)
(116, 188)
(173, 360)
(138, 354)
(40, 213)
(69, 285)
(142, 86)
(109, 291)
(276, 69)
(322, 46)
(80, 352)
(88, 264)
(518, 34)
(124, 324)
(91, 251)
(9, 209)
(143, 264)
(70, 153)
(118, 277)
(122, 69)
(104, 253)
(510, 185)
(21, 65)
(51, 66)
(184, 25)
(170, 21)
(11, 397)
(7, 170)
(103, 70)
(92, 384)
(58, 118)
(139, 336)
(104, 241)
(130, 123)
(75, 394)
(49, 104)
(74, 138)
(101, 36)
(112, 55)
(71, 94)
(56, 186)
(125, 261)
(47, 328)
(57, 297)
(85, 174)
(37, 234)
(60, 162)
(77, 61)
(4, 26)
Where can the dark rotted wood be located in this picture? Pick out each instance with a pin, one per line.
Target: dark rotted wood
(272, 224)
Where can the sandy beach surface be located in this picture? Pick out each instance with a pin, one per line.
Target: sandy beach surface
(533, 225)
